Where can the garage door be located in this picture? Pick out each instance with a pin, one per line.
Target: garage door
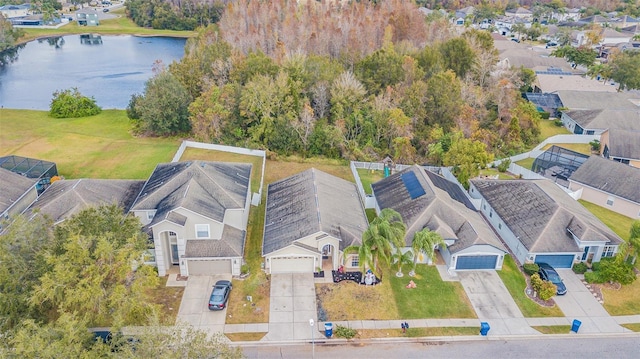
(476, 262)
(292, 265)
(209, 267)
(556, 261)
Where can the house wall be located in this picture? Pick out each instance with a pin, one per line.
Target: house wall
(604, 141)
(313, 241)
(446, 255)
(236, 218)
(595, 196)
(161, 243)
(518, 249)
(292, 251)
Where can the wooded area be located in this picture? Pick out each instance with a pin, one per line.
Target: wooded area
(345, 81)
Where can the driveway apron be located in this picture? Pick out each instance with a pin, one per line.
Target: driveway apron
(580, 303)
(194, 305)
(293, 303)
(493, 303)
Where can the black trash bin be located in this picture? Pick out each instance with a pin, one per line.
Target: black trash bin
(575, 326)
(484, 328)
(328, 330)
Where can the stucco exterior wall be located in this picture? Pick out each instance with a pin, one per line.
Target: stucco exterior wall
(595, 196)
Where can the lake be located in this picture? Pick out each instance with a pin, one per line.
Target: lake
(108, 68)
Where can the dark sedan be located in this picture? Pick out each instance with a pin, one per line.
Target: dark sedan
(547, 272)
(220, 295)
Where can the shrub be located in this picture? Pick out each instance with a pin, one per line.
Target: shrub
(545, 289)
(580, 268)
(244, 269)
(530, 268)
(71, 103)
(545, 115)
(504, 165)
(593, 277)
(558, 123)
(536, 281)
(596, 266)
(617, 270)
(595, 145)
(344, 332)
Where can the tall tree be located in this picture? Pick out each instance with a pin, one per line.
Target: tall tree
(424, 243)
(96, 269)
(385, 233)
(458, 56)
(625, 70)
(467, 158)
(634, 239)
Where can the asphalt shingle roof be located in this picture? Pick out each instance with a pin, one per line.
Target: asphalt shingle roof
(624, 144)
(538, 212)
(206, 188)
(604, 119)
(12, 187)
(593, 100)
(231, 245)
(446, 213)
(610, 176)
(65, 198)
(310, 202)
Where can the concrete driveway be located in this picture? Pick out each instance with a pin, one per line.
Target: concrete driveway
(580, 303)
(293, 303)
(493, 303)
(194, 305)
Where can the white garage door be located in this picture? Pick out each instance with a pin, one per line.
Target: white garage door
(209, 267)
(292, 265)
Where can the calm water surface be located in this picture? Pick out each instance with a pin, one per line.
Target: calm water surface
(110, 72)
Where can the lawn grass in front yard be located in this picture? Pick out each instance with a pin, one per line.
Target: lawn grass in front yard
(432, 297)
(515, 282)
(99, 146)
(245, 337)
(553, 329)
(168, 298)
(617, 222)
(240, 310)
(367, 177)
(417, 332)
(548, 128)
(623, 301)
(632, 326)
(348, 300)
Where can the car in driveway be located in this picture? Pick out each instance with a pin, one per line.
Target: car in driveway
(547, 272)
(220, 295)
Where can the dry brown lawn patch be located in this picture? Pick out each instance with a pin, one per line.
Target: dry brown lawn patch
(622, 301)
(168, 298)
(240, 310)
(348, 300)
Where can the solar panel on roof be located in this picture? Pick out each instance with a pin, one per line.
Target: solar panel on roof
(412, 185)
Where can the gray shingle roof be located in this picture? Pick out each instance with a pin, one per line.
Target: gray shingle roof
(593, 100)
(539, 213)
(604, 119)
(12, 187)
(624, 144)
(436, 209)
(206, 188)
(66, 198)
(610, 176)
(310, 202)
(230, 245)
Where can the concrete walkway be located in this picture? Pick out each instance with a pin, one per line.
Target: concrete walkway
(293, 303)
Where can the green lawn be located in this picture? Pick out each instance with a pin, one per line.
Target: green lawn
(494, 171)
(617, 222)
(526, 163)
(633, 326)
(417, 332)
(120, 25)
(368, 177)
(100, 146)
(583, 148)
(515, 282)
(432, 297)
(553, 329)
(548, 128)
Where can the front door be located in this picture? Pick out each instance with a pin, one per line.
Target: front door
(585, 253)
(173, 240)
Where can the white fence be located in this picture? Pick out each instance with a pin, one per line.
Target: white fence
(256, 198)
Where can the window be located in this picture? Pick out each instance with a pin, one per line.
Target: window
(491, 213)
(355, 261)
(499, 225)
(150, 215)
(610, 201)
(202, 231)
(484, 206)
(609, 251)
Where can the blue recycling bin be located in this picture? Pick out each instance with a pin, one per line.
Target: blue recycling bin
(575, 326)
(328, 330)
(484, 328)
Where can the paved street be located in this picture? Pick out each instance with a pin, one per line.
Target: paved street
(566, 346)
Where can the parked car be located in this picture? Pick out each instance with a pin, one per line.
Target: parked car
(105, 10)
(547, 272)
(515, 39)
(220, 295)
(551, 44)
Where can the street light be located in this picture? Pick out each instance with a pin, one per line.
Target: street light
(313, 347)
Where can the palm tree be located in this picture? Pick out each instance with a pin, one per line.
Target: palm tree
(385, 233)
(634, 239)
(401, 259)
(425, 241)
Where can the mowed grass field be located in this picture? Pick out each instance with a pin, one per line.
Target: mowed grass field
(100, 146)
